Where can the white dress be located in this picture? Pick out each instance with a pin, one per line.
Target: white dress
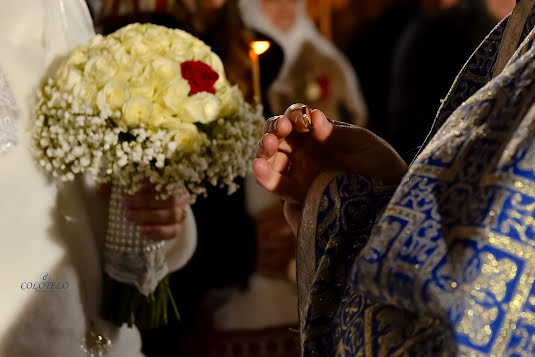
(50, 234)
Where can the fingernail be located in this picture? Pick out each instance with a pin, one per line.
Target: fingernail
(272, 124)
(306, 118)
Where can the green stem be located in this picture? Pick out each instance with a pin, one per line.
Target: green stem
(123, 303)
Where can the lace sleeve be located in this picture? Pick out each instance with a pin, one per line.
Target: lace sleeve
(8, 115)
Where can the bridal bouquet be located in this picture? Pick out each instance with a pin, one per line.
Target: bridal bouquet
(146, 103)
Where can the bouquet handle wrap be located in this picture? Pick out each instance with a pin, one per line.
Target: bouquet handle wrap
(129, 257)
(136, 282)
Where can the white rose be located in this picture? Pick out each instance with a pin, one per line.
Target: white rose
(96, 40)
(215, 62)
(158, 39)
(78, 56)
(188, 138)
(113, 95)
(136, 110)
(112, 45)
(176, 94)
(230, 99)
(199, 50)
(139, 70)
(162, 118)
(129, 36)
(122, 57)
(143, 89)
(140, 50)
(100, 68)
(62, 74)
(123, 74)
(73, 78)
(179, 52)
(200, 108)
(165, 68)
(85, 92)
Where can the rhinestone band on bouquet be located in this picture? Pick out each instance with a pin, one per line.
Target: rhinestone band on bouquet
(145, 104)
(128, 256)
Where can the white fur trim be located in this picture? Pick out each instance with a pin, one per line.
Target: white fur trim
(181, 249)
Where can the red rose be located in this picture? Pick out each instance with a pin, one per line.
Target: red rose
(325, 86)
(200, 76)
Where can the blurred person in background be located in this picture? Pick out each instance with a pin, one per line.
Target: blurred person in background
(374, 30)
(429, 55)
(314, 70)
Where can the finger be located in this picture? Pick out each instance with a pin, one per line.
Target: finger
(279, 162)
(181, 197)
(271, 125)
(146, 188)
(299, 116)
(161, 232)
(322, 128)
(156, 216)
(275, 182)
(268, 146)
(279, 126)
(147, 201)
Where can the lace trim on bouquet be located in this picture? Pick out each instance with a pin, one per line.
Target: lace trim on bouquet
(128, 256)
(8, 115)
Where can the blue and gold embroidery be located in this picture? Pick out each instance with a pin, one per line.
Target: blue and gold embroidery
(450, 266)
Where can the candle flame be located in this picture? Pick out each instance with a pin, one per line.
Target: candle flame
(259, 47)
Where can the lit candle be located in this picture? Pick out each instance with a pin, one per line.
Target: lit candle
(256, 49)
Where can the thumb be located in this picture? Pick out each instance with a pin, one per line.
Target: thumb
(322, 128)
(304, 120)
